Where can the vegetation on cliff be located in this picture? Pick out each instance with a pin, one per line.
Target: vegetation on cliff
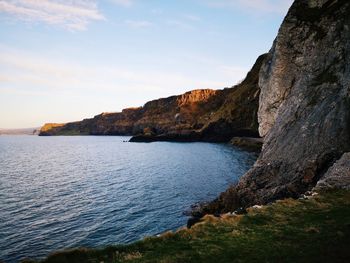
(198, 115)
(304, 105)
(313, 229)
(304, 116)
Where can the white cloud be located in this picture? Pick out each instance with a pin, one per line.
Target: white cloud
(125, 3)
(72, 15)
(138, 23)
(261, 6)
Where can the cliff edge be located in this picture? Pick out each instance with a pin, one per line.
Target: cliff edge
(304, 107)
(297, 97)
(197, 115)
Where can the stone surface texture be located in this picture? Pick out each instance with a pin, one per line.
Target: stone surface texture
(197, 115)
(304, 108)
(338, 176)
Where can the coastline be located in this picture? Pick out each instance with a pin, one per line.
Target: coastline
(296, 98)
(289, 230)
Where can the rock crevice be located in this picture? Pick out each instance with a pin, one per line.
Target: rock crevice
(304, 105)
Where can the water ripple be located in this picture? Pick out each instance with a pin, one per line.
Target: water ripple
(64, 192)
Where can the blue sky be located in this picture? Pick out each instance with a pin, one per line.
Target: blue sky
(65, 60)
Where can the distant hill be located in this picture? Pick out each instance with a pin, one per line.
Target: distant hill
(23, 131)
(197, 115)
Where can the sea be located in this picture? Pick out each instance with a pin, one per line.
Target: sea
(66, 192)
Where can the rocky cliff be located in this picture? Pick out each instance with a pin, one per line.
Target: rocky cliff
(304, 107)
(209, 115)
(297, 96)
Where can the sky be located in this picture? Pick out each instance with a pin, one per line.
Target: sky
(66, 60)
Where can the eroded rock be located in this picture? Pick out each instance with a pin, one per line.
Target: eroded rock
(304, 106)
(198, 115)
(338, 176)
(248, 143)
(304, 110)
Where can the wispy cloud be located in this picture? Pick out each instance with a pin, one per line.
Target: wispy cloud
(125, 3)
(187, 22)
(72, 15)
(237, 73)
(70, 89)
(180, 24)
(24, 70)
(262, 6)
(138, 23)
(192, 17)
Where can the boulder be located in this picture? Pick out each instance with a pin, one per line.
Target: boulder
(338, 176)
(248, 143)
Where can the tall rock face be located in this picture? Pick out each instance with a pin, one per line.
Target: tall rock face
(304, 108)
(198, 115)
(237, 116)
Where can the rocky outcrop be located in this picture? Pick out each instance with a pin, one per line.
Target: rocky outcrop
(102, 124)
(338, 176)
(247, 143)
(297, 97)
(198, 115)
(304, 107)
(237, 116)
(173, 115)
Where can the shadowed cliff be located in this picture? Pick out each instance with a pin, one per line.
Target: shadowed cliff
(198, 115)
(297, 97)
(304, 119)
(304, 108)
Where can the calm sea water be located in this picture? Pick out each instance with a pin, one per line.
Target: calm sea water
(64, 192)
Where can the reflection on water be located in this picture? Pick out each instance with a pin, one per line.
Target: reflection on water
(61, 192)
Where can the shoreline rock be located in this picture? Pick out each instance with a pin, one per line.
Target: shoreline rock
(197, 115)
(191, 137)
(248, 143)
(338, 176)
(304, 105)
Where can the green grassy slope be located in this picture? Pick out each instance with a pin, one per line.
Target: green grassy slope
(310, 230)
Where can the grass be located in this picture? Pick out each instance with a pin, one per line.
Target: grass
(310, 230)
(72, 133)
(60, 129)
(50, 126)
